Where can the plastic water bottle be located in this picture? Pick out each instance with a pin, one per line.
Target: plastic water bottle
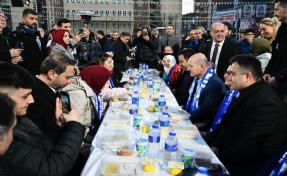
(133, 110)
(140, 67)
(202, 171)
(153, 142)
(136, 84)
(164, 122)
(135, 98)
(161, 104)
(171, 147)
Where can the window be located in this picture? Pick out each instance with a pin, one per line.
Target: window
(119, 25)
(101, 12)
(114, 13)
(119, 13)
(102, 25)
(130, 13)
(107, 13)
(124, 13)
(119, 1)
(96, 12)
(124, 25)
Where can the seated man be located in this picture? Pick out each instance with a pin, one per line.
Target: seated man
(206, 91)
(55, 73)
(31, 152)
(256, 120)
(7, 122)
(184, 81)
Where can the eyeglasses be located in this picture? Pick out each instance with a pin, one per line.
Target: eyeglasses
(249, 34)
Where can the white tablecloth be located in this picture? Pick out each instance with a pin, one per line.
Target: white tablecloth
(94, 164)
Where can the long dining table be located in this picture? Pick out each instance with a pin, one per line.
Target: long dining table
(117, 132)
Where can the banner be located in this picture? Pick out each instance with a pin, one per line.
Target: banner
(245, 23)
(261, 10)
(248, 10)
(224, 16)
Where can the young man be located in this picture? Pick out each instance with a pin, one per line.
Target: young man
(33, 41)
(256, 120)
(31, 152)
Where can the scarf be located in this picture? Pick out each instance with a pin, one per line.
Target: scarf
(58, 36)
(196, 91)
(281, 166)
(99, 105)
(223, 107)
(172, 63)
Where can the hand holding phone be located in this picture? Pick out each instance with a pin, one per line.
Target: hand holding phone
(66, 104)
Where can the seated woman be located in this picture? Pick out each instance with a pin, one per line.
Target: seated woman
(61, 41)
(171, 70)
(97, 77)
(107, 61)
(262, 49)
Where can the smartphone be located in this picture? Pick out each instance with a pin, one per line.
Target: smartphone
(66, 104)
(81, 31)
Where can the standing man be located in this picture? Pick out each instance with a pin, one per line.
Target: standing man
(184, 81)
(33, 41)
(170, 40)
(219, 50)
(276, 70)
(206, 91)
(55, 73)
(9, 52)
(114, 37)
(255, 121)
(193, 42)
(101, 38)
(121, 55)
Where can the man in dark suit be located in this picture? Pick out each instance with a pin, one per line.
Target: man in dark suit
(220, 55)
(206, 91)
(121, 55)
(56, 72)
(256, 120)
(192, 41)
(33, 41)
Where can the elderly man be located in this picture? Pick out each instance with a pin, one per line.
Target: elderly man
(31, 152)
(206, 91)
(256, 120)
(220, 50)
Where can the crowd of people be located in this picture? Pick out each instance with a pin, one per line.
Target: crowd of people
(234, 90)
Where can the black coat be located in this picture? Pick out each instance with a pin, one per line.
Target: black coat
(32, 55)
(229, 49)
(6, 43)
(42, 111)
(254, 130)
(277, 66)
(182, 87)
(120, 58)
(31, 155)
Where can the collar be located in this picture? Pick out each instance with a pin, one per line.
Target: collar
(220, 43)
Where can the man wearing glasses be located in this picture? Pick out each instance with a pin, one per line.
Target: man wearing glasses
(245, 44)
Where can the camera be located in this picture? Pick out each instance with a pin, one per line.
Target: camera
(19, 45)
(144, 34)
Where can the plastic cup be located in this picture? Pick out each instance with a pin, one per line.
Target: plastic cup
(187, 157)
(141, 146)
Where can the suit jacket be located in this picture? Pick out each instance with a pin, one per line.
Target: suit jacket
(182, 86)
(209, 101)
(120, 60)
(229, 49)
(255, 129)
(42, 111)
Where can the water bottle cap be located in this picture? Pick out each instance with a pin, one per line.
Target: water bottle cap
(165, 113)
(172, 133)
(155, 126)
(161, 95)
(202, 170)
(136, 92)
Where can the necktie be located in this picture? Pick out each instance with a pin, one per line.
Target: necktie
(213, 59)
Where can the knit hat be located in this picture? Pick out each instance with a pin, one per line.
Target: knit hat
(260, 46)
(96, 77)
(58, 36)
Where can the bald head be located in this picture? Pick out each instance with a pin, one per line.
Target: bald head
(198, 65)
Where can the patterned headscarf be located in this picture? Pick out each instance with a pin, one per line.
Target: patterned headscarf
(96, 77)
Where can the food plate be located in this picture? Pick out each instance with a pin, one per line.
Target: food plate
(178, 114)
(187, 134)
(121, 165)
(115, 140)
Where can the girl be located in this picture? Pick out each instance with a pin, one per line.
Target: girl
(171, 70)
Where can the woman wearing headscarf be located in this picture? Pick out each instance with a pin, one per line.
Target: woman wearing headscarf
(61, 41)
(171, 70)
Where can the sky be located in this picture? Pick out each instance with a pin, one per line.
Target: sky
(187, 6)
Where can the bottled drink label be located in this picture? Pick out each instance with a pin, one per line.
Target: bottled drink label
(137, 120)
(153, 139)
(161, 103)
(135, 100)
(170, 148)
(133, 111)
(164, 123)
